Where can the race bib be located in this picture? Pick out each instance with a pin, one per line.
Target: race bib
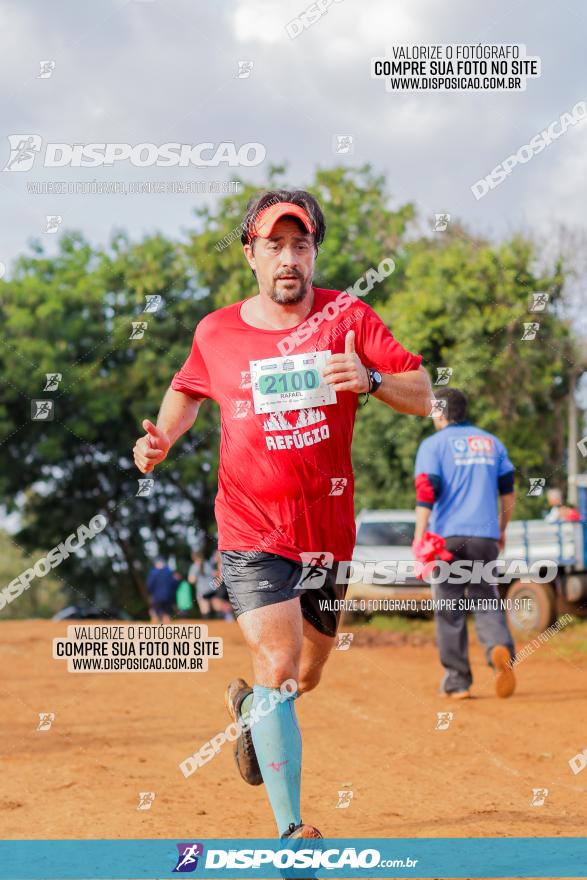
(294, 382)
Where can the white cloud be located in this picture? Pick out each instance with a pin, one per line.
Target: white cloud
(165, 71)
(262, 21)
(343, 29)
(562, 190)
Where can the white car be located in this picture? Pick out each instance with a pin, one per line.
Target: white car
(386, 535)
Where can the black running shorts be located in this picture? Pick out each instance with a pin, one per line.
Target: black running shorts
(257, 579)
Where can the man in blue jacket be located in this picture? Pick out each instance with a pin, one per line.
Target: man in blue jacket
(461, 472)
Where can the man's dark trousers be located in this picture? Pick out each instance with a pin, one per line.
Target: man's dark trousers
(451, 624)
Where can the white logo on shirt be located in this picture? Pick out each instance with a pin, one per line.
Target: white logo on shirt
(304, 418)
(474, 449)
(338, 485)
(241, 408)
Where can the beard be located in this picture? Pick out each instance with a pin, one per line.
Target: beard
(291, 291)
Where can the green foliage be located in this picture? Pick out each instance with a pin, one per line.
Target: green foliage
(73, 315)
(45, 595)
(463, 305)
(361, 231)
(460, 302)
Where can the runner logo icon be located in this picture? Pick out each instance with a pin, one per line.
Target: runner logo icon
(187, 860)
(316, 565)
(23, 150)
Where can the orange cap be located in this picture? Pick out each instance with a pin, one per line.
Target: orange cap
(262, 223)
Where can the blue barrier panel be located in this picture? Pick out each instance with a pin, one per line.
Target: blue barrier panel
(336, 857)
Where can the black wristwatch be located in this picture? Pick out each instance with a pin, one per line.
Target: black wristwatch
(375, 380)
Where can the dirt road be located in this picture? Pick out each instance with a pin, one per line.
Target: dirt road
(369, 728)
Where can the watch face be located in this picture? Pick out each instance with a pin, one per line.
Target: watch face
(377, 375)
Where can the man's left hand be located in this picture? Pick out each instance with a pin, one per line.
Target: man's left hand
(345, 371)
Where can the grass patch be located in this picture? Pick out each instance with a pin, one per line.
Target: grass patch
(571, 641)
(403, 624)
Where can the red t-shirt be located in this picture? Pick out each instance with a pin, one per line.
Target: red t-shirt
(285, 481)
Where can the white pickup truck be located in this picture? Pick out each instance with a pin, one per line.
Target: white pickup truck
(387, 535)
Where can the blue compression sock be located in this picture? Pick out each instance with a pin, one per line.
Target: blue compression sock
(278, 746)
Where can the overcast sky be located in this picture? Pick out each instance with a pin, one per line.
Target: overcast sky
(165, 71)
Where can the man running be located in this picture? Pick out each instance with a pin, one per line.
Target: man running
(286, 367)
(460, 473)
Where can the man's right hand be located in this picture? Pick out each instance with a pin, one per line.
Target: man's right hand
(151, 449)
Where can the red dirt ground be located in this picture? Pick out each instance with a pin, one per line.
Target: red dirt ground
(369, 727)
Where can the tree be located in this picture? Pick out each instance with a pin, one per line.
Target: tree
(73, 315)
(361, 230)
(458, 301)
(44, 600)
(464, 305)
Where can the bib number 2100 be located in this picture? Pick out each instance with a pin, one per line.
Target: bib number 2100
(282, 384)
(300, 380)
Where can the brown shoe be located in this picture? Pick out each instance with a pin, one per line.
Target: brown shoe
(457, 695)
(244, 750)
(301, 830)
(297, 832)
(505, 680)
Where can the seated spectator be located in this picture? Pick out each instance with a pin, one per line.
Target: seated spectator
(558, 511)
